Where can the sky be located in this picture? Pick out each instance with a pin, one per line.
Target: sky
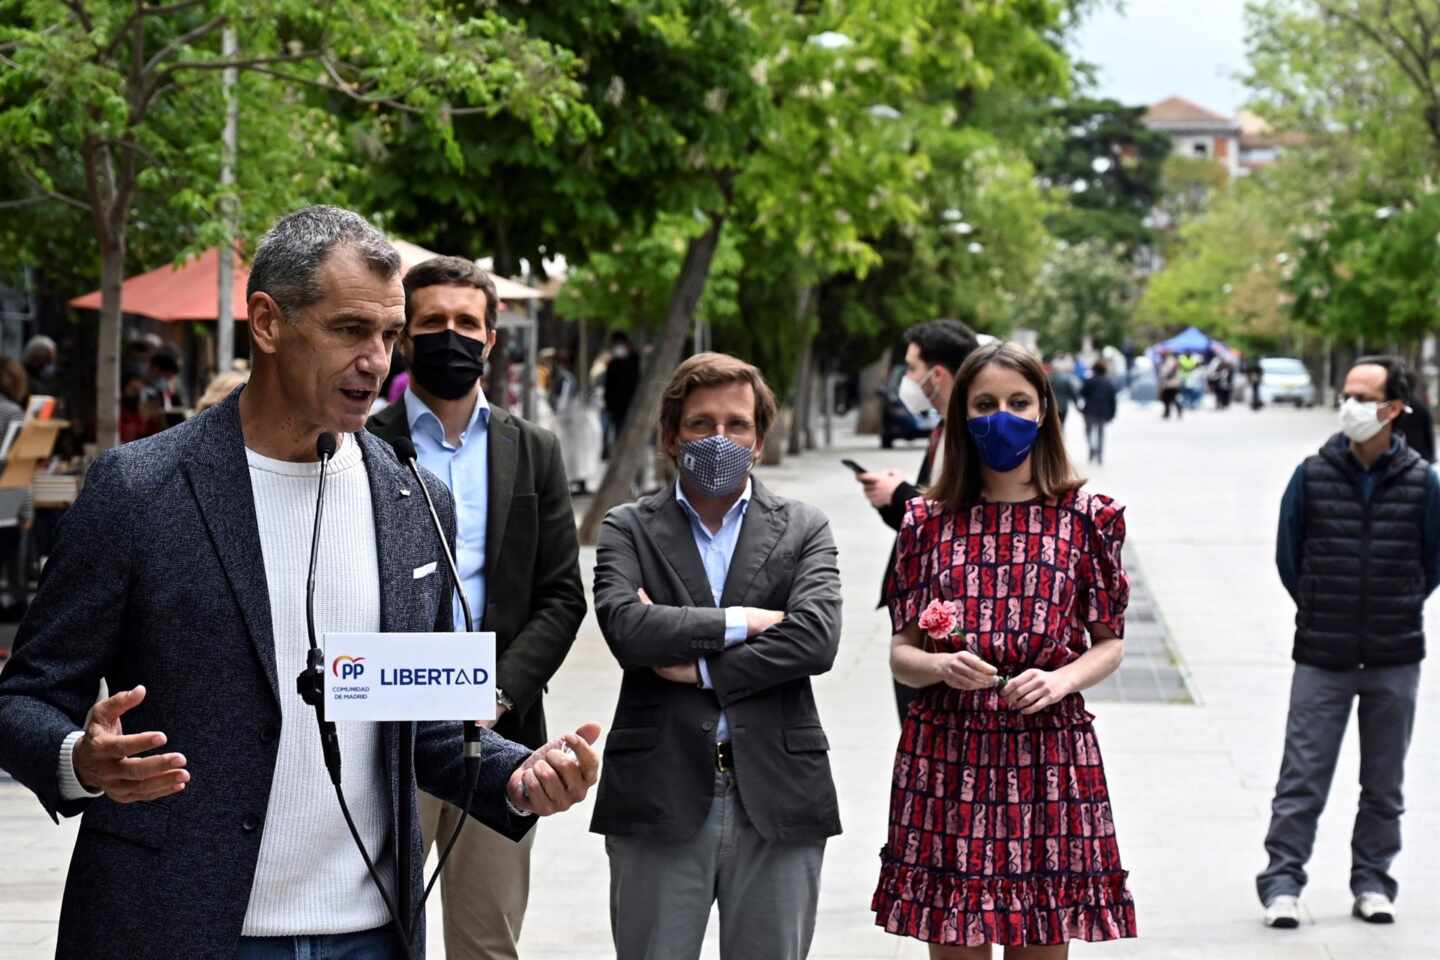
(1161, 48)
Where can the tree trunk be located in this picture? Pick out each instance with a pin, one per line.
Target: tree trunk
(800, 425)
(107, 355)
(812, 373)
(801, 404)
(628, 456)
(872, 407)
(827, 406)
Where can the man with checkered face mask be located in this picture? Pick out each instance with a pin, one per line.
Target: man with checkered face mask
(720, 600)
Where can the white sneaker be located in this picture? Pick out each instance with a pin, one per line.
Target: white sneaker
(1374, 908)
(1283, 912)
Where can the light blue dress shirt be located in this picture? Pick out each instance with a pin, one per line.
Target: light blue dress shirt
(465, 468)
(716, 552)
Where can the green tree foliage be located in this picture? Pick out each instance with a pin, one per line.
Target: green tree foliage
(1370, 267)
(1230, 268)
(1187, 187)
(112, 109)
(816, 147)
(1083, 291)
(1101, 155)
(1362, 79)
(628, 285)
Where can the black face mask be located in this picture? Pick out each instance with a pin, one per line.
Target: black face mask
(446, 363)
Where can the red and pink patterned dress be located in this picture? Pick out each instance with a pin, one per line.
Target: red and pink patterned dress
(1000, 824)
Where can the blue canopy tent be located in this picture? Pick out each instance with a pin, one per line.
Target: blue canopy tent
(1190, 340)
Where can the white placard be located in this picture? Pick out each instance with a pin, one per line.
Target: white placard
(409, 676)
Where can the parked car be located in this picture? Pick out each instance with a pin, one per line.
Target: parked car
(1286, 380)
(1144, 386)
(898, 423)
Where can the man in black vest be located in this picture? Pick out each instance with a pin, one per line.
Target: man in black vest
(1357, 549)
(933, 352)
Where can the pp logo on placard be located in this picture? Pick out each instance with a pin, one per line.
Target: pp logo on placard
(348, 668)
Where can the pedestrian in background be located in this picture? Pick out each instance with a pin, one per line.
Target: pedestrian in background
(1193, 381)
(1170, 382)
(41, 360)
(1418, 424)
(1062, 386)
(1009, 598)
(933, 353)
(1222, 382)
(720, 600)
(1098, 398)
(1255, 376)
(622, 379)
(221, 386)
(1359, 551)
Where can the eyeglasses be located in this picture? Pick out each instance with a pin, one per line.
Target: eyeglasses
(705, 426)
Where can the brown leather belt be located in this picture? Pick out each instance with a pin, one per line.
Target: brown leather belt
(724, 759)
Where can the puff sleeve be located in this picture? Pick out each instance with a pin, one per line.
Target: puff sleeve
(1105, 592)
(913, 582)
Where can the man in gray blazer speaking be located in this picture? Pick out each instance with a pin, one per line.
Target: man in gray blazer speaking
(720, 600)
(209, 827)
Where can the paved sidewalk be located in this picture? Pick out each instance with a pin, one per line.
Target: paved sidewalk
(1191, 781)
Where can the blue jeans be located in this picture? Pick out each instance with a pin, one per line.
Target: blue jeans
(378, 944)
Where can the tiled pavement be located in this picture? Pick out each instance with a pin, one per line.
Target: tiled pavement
(1152, 671)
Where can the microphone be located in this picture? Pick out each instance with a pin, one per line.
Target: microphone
(474, 749)
(405, 450)
(311, 682)
(311, 686)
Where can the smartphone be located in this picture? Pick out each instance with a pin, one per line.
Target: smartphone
(854, 466)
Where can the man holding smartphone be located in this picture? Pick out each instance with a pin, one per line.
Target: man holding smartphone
(933, 353)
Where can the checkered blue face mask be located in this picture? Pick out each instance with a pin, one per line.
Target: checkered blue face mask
(716, 466)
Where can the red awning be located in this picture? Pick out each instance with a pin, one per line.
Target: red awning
(177, 294)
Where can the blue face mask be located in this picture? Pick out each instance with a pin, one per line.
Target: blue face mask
(716, 466)
(1003, 439)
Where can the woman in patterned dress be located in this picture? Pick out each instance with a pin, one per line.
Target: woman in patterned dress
(1007, 599)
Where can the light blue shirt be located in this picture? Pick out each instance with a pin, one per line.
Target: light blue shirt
(465, 468)
(716, 551)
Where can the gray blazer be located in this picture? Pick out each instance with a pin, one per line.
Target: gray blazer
(659, 774)
(157, 578)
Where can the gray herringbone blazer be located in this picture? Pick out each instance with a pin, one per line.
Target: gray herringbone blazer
(157, 578)
(659, 770)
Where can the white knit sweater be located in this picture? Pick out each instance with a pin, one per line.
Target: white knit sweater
(310, 878)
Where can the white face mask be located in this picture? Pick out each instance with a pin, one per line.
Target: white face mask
(1360, 419)
(912, 395)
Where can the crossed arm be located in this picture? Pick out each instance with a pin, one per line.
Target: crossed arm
(778, 646)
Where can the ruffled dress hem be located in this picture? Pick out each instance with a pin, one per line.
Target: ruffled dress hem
(956, 909)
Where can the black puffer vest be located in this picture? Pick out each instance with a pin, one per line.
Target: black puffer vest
(1362, 570)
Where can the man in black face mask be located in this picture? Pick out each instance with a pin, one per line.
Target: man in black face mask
(512, 500)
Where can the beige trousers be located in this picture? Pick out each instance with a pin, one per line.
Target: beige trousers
(485, 887)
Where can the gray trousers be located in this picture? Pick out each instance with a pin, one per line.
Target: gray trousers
(1319, 713)
(661, 893)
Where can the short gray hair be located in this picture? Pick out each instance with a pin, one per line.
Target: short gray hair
(292, 252)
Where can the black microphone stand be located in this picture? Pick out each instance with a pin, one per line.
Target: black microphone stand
(474, 748)
(311, 686)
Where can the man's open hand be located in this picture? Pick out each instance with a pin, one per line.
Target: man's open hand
(107, 759)
(553, 778)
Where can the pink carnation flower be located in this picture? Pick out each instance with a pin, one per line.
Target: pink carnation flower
(940, 619)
